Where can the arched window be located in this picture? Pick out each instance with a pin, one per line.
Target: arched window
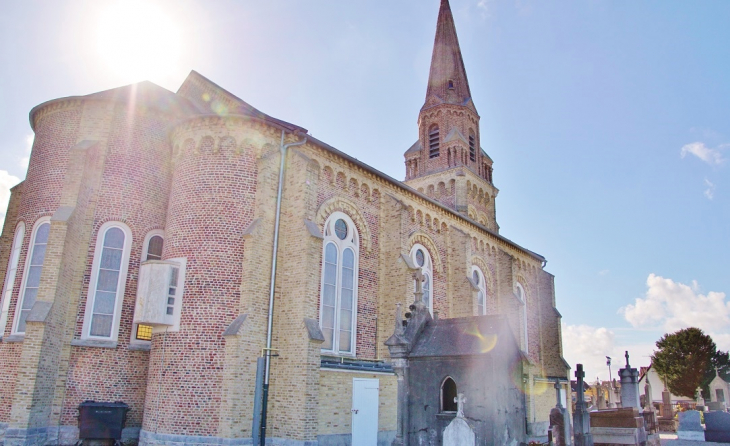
(338, 301)
(151, 250)
(448, 395)
(433, 141)
(472, 146)
(108, 279)
(10, 275)
(422, 259)
(152, 247)
(477, 276)
(32, 275)
(523, 299)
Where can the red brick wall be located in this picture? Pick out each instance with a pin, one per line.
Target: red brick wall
(134, 190)
(211, 204)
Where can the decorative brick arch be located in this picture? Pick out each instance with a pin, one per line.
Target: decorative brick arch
(349, 208)
(525, 286)
(425, 240)
(488, 278)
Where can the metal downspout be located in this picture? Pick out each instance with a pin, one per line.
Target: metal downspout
(269, 332)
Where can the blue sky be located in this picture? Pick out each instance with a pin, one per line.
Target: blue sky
(607, 122)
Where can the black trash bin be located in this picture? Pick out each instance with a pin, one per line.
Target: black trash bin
(102, 421)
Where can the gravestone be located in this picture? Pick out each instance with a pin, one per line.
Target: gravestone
(648, 397)
(618, 426)
(458, 432)
(699, 400)
(629, 385)
(715, 406)
(581, 417)
(557, 426)
(717, 427)
(690, 427)
(666, 421)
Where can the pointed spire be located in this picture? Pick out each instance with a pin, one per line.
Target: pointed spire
(447, 80)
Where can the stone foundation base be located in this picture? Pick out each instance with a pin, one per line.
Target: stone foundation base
(55, 436)
(691, 435)
(667, 425)
(385, 438)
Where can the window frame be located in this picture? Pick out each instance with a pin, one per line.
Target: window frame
(26, 269)
(121, 281)
(351, 241)
(482, 285)
(11, 274)
(146, 243)
(143, 258)
(442, 396)
(426, 269)
(522, 297)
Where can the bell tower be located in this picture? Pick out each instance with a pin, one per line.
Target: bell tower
(447, 162)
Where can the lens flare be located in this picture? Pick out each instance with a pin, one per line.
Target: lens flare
(486, 342)
(138, 40)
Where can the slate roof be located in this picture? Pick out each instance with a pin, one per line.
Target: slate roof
(416, 147)
(464, 336)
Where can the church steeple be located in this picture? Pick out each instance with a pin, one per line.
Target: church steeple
(447, 162)
(447, 81)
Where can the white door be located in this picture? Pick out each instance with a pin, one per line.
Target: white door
(365, 394)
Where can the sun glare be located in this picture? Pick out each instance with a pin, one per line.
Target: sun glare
(138, 40)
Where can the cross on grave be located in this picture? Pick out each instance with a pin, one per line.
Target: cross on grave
(627, 359)
(558, 388)
(460, 400)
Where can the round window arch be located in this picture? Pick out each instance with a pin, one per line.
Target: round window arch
(338, 296)
(422, 258)
(478, 278)
(448, 395)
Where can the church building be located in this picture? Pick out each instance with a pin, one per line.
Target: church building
(163, 242)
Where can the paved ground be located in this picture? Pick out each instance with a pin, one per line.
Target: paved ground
(671, 440)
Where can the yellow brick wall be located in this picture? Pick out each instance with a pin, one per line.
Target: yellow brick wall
(335, 401)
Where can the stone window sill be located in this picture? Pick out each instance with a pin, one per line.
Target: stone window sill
(140, 346)
(14, 338)
(93, 343)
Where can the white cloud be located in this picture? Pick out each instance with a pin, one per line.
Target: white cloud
(710, 191)
(604, 272)
(672, 306)
(485, 6)
(712, 157)
(583, 344)
(6, 182)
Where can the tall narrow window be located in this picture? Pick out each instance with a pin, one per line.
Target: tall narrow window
(477, 276)
(433, 141)
(33, 268)
(448, 395)
(151, 250)
(10, 275)
(422, 259)
(338, 306)
(523, 299)
(472, 146)
(108, 277)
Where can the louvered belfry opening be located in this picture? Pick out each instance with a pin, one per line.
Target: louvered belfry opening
(433, 142)
(472, 147)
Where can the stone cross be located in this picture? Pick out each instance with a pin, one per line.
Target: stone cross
(627, 359)
(558, 387)
(460, 400)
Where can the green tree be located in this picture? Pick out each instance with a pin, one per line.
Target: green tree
(721, 363)
(685, 359)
